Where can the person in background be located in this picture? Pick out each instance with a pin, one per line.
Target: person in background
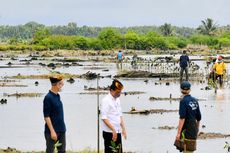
(184, 64)
(134, 60)
(211, 73)
(219, 69)
(113, 124)
(120, 58)
(54, 116)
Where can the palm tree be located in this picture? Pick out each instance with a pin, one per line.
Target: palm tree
(208, 27)
(166, 29)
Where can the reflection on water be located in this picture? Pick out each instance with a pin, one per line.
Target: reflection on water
(22, 125)
(220, 95)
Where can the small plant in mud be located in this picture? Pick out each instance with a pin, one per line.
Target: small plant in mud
(133, 109)
(211, 83)
(56, 145)
(115, 148)
(227, 146)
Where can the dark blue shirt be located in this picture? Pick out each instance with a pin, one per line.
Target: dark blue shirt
(184, 60)
(189, 108)
(53, 108)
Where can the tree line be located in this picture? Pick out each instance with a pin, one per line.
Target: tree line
(35, 36)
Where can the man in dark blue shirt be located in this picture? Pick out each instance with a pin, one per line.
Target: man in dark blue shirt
(54, 116)
(190, 117)
(184, 63)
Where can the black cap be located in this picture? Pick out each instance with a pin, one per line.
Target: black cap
(56, 78)
(116, 85)
(185, 85)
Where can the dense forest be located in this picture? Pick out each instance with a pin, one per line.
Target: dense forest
(35, 36)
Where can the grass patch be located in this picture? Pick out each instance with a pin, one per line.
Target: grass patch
(24, 95)
(43, 76)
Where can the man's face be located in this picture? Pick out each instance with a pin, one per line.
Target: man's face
(59, 85)
(184, 92)
(116, 93)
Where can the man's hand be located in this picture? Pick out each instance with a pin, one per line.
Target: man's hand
(178, 136)
(53, 135)
(114, 138)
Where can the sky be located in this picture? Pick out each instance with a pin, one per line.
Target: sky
(117, 13)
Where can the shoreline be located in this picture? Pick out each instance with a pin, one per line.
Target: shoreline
(66, 53)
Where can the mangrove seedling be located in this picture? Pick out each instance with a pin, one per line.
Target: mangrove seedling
(227, 146)
(56, 145)
(115, 148)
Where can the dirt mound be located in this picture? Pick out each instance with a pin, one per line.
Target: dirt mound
(211, 135)
(146, 112)
(24, 95)
(166, 127)
(146, 74)
(170, 99)
(89, 75)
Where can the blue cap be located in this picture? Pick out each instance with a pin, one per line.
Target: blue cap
(185, 85)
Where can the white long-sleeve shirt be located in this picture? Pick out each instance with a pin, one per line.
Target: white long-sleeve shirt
(111, 110)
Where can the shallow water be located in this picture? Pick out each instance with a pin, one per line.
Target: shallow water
(22, 124)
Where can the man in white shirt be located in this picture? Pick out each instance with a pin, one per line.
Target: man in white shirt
(113, 123)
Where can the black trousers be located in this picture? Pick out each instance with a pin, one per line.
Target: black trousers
(220, 77)
(108, 145)
(50, 143)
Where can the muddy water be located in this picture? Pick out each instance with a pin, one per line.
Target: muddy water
(21, 119)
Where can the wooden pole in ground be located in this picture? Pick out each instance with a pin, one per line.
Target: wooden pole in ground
(98, 113)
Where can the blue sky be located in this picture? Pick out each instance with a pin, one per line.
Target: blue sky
(117, 13)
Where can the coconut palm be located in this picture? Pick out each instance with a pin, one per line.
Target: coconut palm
(208, 27)
(166, 29)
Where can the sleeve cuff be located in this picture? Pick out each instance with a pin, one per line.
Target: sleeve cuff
(104, 117)
(46, 115)
(182, 117)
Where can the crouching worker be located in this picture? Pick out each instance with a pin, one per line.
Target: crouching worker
(113, 123)
(189, 121)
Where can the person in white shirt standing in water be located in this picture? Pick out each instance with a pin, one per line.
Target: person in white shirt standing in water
(113, 123)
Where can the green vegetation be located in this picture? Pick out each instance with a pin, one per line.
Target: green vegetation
(115, 148)
(37, 37)
(166, 29)
(56, 145)
(43, 76)
(227, 146)
(208, 27)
